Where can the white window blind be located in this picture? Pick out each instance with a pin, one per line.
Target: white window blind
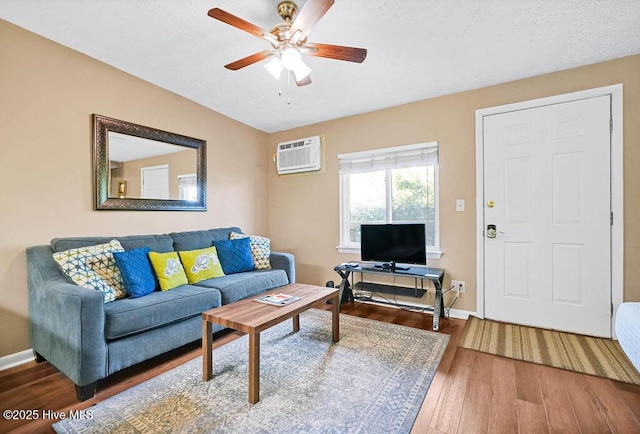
(425, 154)
(187, 187)
(186, 181)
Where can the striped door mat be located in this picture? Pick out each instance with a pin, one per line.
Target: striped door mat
(595, 356)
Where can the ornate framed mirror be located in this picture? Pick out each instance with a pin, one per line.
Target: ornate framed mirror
(144, 169)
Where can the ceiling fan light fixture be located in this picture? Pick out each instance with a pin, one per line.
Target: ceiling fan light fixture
(289, 40)
(274, 67)
(290, 58)
(301, 71)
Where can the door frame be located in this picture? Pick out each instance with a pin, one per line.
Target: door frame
(617, 186)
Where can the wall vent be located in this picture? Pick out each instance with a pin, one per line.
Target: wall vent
(302, 155)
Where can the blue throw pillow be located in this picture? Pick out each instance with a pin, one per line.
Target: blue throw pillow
(235, 255)
(136, 271)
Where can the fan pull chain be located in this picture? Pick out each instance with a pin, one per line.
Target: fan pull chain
(289, 87)
(287, 92)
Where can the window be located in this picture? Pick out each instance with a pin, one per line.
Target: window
(392, 185)
(187, 188)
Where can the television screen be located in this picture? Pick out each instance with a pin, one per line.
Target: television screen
(394, 243)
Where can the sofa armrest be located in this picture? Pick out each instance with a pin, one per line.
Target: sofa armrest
(66, 320)
(286, 262)
(627, 328)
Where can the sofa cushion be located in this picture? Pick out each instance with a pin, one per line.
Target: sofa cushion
(94, 267)
(201, 264)
(132, 315)
(168, 269)
(157, 243)
(260, 249)
(193, 240)
(235, 255)
(234, 287)
(137, 274)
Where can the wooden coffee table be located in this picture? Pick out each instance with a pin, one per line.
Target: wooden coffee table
(252, 317)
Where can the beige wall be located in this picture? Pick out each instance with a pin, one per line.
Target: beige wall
(47, 95)
(304, 209)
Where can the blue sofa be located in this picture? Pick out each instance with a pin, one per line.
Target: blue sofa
(88, 340)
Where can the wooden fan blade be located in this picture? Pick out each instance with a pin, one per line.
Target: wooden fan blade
(308, 17)
(338, 52)
(249, 60)
(241, 24)
(304, 81)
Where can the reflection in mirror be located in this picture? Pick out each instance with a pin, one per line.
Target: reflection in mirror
(146, 169)
(141, 168)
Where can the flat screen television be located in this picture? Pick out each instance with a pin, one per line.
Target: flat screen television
(393, 244)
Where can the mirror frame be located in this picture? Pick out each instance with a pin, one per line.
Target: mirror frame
(102, 125)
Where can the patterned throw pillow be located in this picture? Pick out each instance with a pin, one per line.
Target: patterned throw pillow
(94, 267)
(168, 270)
(137, 274)
(235, 255)
(260, 249)
(201, 264)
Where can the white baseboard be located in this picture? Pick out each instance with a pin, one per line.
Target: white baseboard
(461, 314)
(16, 359)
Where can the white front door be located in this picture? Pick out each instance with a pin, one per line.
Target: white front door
(547, 192)
(155, 182)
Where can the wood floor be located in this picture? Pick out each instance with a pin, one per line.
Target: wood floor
(471, 392)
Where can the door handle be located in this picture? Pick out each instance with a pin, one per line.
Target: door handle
(491, 231)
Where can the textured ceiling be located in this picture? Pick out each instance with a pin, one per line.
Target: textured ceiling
(417, 49)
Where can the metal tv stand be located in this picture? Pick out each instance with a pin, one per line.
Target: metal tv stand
(435, 275)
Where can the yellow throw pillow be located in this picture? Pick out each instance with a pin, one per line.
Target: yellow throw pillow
(168, 269)
(201, 264)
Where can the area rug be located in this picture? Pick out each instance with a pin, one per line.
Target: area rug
(588, 355)
(373, 381)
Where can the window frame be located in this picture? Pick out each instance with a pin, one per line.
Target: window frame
(181, 190)
(347, 246)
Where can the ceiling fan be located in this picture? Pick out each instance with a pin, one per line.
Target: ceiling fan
(289, 40)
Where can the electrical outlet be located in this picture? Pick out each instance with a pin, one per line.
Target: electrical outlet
(458, 286)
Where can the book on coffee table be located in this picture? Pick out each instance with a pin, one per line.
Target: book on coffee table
(278, 299)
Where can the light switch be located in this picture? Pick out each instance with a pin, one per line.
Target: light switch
(459, 205)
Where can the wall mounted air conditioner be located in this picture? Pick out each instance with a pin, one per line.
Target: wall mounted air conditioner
(302, 155)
